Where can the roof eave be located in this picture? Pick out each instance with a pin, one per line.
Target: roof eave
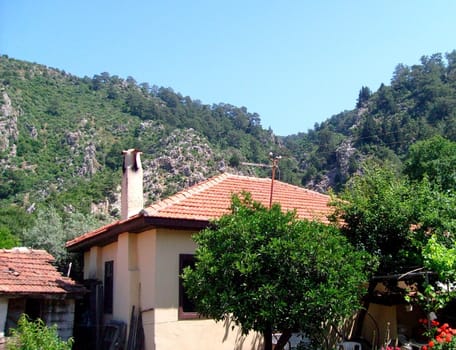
(45, 295)
(135, 225)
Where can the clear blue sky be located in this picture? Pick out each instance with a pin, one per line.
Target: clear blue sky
(294, 63)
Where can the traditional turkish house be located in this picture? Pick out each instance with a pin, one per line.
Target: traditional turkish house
(30, 284)
(138, 259)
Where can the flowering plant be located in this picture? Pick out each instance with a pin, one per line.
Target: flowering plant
(443, 337)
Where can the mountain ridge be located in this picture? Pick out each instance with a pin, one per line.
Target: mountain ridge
(61, 135)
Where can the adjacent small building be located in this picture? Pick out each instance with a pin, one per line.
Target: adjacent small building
(30, 284)
(138, 259)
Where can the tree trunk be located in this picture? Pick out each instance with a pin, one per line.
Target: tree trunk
(283, 340)
(267, 335)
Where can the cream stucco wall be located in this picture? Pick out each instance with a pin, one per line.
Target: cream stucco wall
(94, 264)
(146, 261)
(171, 244)
(146, 275)
(95, 258)
(203, 334)
(172, 333)
(126, 277)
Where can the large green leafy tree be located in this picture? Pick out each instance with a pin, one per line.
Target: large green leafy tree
(408, 222)
(435, 159)
(431, 168)
(266, 271)
(377, 212)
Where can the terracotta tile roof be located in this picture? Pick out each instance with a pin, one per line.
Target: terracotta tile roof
(26, 271)
(212, 198)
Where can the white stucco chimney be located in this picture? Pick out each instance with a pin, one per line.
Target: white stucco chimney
(132, 197)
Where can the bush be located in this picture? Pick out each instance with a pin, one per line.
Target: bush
(35, 335)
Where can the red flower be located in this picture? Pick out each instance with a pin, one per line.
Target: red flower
(439, 339)
(424, 347)
(431, 344)
(434, 323)
(448, 338)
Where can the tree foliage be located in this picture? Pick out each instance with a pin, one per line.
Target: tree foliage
(64, 149)
(36, 335)
(408, 222)
(435, 159)
(51, 231)
(7, 239)
(265, 270)
(377, 212)
(419, 103)
(363, 96)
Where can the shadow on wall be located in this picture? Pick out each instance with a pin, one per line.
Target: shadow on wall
(255, 339)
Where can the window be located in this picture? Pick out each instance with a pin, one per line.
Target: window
(33, 308)
(108, 286)
(186, 307)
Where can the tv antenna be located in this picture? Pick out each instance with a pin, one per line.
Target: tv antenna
(275, 161)
(274, 165)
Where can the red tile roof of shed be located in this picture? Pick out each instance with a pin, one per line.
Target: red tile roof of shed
(26, 271)
(211, 199)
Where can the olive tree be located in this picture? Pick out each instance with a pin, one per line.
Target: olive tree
(267, 271)
(50, 231)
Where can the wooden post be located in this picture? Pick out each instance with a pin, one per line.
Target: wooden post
(275, 161)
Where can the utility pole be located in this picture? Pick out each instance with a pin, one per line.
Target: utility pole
(274, 165)
(275, 161)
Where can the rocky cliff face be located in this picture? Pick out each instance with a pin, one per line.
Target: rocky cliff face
(347, 156)
(184, 159)
(9, 132)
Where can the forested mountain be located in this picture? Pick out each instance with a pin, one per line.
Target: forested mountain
(419, 103)
(61, 137)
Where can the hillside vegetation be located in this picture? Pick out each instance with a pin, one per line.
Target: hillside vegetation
(419, 103)
(61, 137)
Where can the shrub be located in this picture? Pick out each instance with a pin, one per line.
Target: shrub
(35, 335)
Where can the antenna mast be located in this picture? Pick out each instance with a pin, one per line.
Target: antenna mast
(275, 161)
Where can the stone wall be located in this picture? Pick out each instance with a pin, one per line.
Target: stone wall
(52, 311)
(61, 313)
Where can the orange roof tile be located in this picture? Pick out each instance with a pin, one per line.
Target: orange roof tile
(29, 272)
(212, 198)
